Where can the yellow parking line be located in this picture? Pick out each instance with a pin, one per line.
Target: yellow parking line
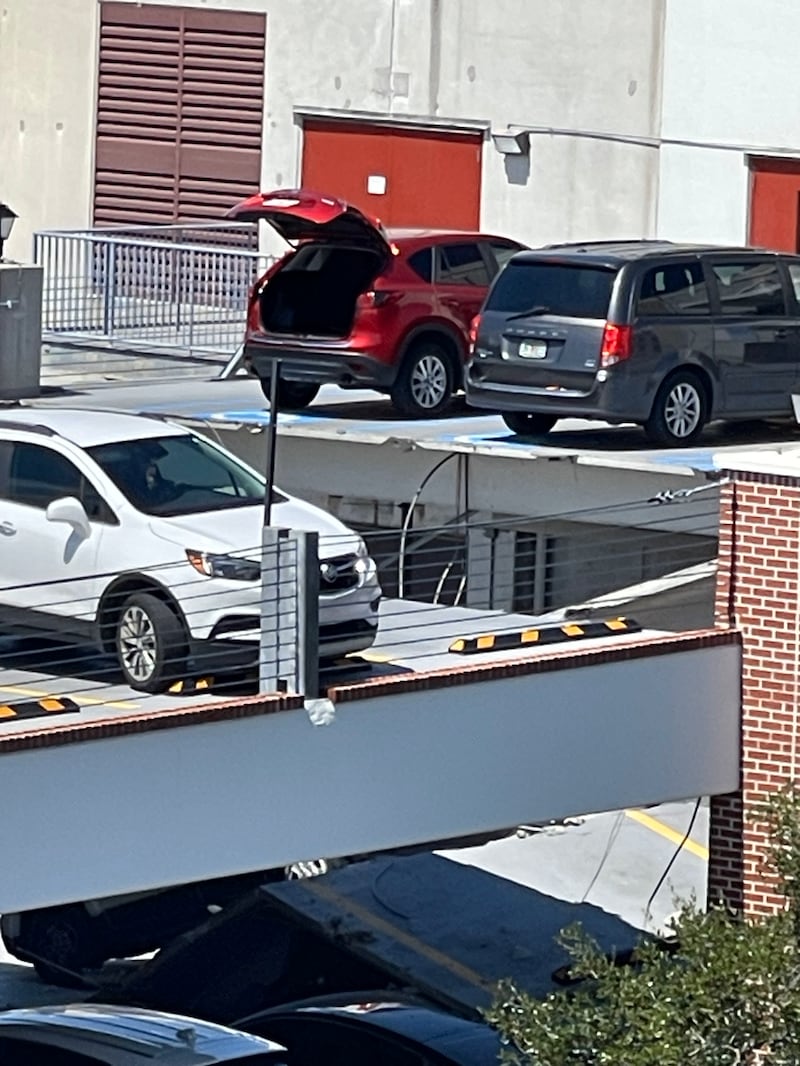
(314, 886)
(88, 701)
(374, 656)
(668, 833)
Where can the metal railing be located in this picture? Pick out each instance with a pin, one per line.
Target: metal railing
(149, 288)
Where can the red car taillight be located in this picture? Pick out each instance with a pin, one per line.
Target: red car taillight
(474, 326)
(616, 345)
(377, 297)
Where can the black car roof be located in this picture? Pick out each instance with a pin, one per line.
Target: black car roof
(465, 1041)
(615, 253)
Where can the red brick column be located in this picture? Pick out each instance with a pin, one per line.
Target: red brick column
(758, 593)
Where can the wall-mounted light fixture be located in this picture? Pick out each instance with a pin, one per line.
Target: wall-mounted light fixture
(509, 142)
(7, 218)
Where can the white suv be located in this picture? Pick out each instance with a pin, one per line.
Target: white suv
(144, 537)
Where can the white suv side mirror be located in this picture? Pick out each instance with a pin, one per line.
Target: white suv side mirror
(70, 510)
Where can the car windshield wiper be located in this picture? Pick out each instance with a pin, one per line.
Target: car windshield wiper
(537, 309)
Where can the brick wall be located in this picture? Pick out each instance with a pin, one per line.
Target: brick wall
(758, 593)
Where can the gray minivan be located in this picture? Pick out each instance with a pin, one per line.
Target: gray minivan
(665, 335)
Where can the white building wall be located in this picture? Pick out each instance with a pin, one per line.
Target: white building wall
(47, 105)
(599, 86)
(529, 62)
(730, 89)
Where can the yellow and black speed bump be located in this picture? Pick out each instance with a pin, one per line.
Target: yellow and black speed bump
(190, 685)
(551, 634)
(48, 706)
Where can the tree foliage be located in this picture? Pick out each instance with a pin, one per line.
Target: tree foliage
(726, 993)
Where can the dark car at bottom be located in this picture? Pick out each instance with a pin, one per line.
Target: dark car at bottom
(365, 1030)
(667, 336)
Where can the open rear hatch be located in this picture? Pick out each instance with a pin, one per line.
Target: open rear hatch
(339, 253)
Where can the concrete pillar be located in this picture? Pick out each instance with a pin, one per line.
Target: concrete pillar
(289, 642)
(758, 593)
(20, 330)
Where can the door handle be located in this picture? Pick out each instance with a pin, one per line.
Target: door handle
(7, 529)
(781, 334)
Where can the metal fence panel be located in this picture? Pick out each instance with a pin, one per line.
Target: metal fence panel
(156, 288)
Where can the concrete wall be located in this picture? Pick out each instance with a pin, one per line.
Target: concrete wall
(165, 805)
(47, 103)
(528, 62)
(730, 88)
(631, 71)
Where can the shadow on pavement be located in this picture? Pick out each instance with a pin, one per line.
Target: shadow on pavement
(415, 922)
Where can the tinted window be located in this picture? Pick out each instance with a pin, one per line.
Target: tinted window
(38, 475)
(179, 475)
(313, 1041)
(462, 264)
(502, 252)
(794, 276)
(553, 288)
(749, 288)
(21, 1052)
(674, 289)
(421, 263)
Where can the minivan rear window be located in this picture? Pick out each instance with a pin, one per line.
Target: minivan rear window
(553, 288)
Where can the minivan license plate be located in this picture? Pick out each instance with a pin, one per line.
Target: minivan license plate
(532, 349)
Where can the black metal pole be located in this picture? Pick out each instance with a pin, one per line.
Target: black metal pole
(272, 436)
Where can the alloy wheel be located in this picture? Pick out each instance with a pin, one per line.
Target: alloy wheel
(138, 643)
(683, 410)
(429, 382)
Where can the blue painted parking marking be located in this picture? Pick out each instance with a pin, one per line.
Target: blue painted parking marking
(700, 459)
(252, 417)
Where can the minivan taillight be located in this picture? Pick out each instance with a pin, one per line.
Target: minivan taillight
(474, 326)
(616, 344)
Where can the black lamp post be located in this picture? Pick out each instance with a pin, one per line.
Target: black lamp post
(7, 218)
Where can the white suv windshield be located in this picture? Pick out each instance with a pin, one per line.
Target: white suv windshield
(181, 474)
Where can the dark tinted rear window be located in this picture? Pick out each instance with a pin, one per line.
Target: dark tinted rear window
(421, 263)
(553, 288)
(673, 289)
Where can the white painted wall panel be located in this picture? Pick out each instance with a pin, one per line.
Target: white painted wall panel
(703, 196)
(175, 805)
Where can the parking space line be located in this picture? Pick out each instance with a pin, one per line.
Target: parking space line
(374, 656)
(383, 926)
(666, 831)
(88, 701)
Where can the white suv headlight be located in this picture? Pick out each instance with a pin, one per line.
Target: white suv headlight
(363, 562)
(229, 567)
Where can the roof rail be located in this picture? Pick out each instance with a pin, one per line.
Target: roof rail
(31, 427)
(607, 244)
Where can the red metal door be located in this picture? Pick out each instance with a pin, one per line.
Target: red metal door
(404, 177)
(774, 198)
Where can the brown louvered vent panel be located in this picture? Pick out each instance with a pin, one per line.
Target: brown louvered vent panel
(179, 112)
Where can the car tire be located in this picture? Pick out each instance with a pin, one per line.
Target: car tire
(425, 382)
(528, 424)
(292, 395)
(679, 412)
(150, 643)
(61, 944)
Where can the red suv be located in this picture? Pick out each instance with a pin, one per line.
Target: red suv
(364, 308)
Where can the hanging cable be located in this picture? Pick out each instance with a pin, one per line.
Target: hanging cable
(671, 863)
